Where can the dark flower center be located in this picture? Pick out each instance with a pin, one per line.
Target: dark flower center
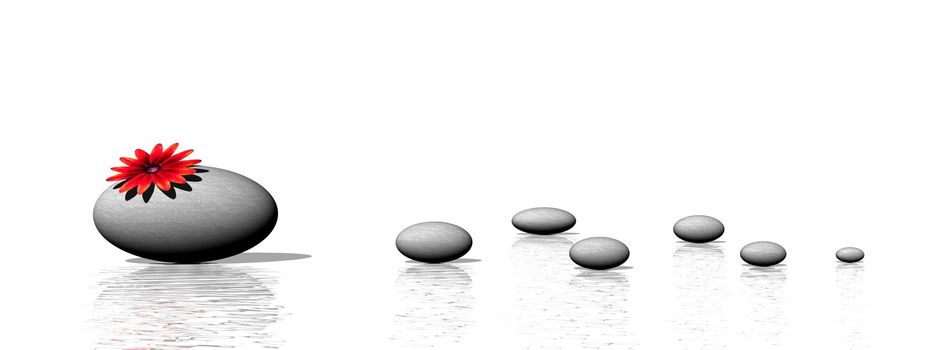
(152, 169)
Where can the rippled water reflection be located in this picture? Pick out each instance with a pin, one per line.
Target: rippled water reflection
(559, 305)
(595, 312)
(436, 305)
(541, 275)
(850, 305)
(764, 321)
(187, 307)
(701, 295)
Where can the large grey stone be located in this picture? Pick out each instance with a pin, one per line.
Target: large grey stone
(763, 253)
(218, 216)
(434, 242)
(850, 254)
(699, 229)
(599, 253)
(543, 220)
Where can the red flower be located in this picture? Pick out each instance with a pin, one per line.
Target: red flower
(161, 167)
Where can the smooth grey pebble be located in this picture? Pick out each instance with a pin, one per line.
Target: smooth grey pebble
(699, 229)
(543, 220)
(599, 253)
(434, 242)
(850, 254)
(763, 253)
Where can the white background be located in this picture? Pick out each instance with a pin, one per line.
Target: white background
(800, 122)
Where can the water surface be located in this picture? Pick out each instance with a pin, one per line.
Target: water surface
(559, 305)
(435, 305)
(700, 296)
(164, 306)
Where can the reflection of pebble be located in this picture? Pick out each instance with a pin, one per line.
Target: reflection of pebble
(561, 306)
(540, 275)
(850, 254)
(433, 242)
(187, 307)
(850, 305)
(764, 321)
(700, 296)
(763, 253)
(543, 221)
(436, 305)
(699, 229)
(599, 253)
(595, 311)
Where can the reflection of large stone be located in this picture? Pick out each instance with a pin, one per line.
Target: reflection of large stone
(222, 215)
(205, 306)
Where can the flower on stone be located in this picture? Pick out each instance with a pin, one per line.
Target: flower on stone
(161, 167)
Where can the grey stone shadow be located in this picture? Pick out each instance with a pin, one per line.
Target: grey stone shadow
(553, 234)
(713, 242)
(761, 268)
(242, 258)
(458, 261)
(617, 268)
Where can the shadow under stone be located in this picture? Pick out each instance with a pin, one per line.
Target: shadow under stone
(458, 261)
(242, 258)
(612, 269)
(553, 234)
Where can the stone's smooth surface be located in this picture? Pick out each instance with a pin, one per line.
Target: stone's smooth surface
(699, 229)
(223, 214)
(543, 220)
(850, 254)
(434, 242)
(763, 253)
(599, 253)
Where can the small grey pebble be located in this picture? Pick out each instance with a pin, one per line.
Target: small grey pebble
(699, 229)
(763, 253)
(850, 254)
(434, 242)
(599, 253)
(543, 220)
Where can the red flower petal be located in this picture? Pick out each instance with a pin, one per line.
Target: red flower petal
(142, 156)
(161, 182)
(121, 176)
(173, 177)
(178, 156)
(131, 183)
(131, 162)
(125, 169)
(144, 184)
(156, 154)
(168, 152)
(181, 164)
